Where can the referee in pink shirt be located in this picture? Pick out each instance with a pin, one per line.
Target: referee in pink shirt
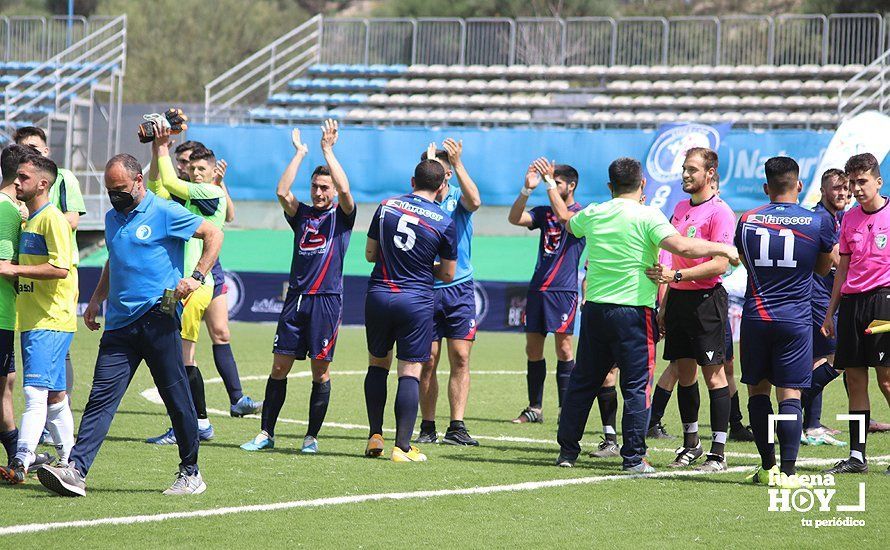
(861, 294)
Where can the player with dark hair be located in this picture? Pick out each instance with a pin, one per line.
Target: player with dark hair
(618, 318)
(782, 245)
(46, 316)
(65, 195)
(406, 235)
(455, 310)
(182, 154)
(310, 318)
(693, 315)
(10, 231)
(860, 295)
(552, 299)
(834, 189)
(203, 195)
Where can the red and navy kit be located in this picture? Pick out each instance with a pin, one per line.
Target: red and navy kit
(780, 244)
(310, 317)
(552, 298)
(321, 238)
(823, 346)
(411, 232)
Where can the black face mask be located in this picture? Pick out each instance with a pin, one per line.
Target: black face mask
(121, 200)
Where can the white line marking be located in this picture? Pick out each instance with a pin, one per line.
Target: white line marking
(153, 396)
(353, 499)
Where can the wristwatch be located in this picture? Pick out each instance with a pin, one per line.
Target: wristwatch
(198, 276)
(678, 276)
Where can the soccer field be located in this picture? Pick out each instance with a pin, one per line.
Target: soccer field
(505, 493)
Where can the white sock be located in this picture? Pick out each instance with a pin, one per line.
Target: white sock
(203, 423)
(61, 426)
(33, 420)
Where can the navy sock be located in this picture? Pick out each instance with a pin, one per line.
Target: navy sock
(822, 375)
(759, 409)
(689, 401)
(735, 410)
(720, 404)
(276, 391)
(9, 440)
(659, 404)
(563, 373)
(537, 372)
(812, 416)
(375, 398)
(196, 385)
(318, 406)
(607, 399)
(857, 444)
(407, 402)
(789, 434)
(228, 371)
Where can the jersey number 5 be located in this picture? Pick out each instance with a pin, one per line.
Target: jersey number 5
(788, 252)
(405, 236)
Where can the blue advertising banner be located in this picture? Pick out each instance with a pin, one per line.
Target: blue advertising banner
(380, 161)
(259, 297)
(663, 167)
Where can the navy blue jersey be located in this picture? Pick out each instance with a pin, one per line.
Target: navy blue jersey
(780, 244)
(559, 252)
(410, 231)
(320, 241)
(822, 285)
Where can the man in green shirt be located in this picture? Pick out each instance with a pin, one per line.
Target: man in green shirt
(618, 317)
(10, 229)
(66, 196)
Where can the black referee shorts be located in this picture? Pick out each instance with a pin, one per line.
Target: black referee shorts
(854, 347)
(695, 325)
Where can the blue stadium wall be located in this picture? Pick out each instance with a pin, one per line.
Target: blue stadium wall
(380, 162)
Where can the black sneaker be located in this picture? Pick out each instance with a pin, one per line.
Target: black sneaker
(565, 462)
(41, 460)
(849, 466)
(459, 436)
(606, 449)
(427, 437)
(658, 431)
(14, 473)
(741, 433)
(529, 415)
(686, 456)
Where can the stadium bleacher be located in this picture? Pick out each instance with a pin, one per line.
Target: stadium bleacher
(785, 71)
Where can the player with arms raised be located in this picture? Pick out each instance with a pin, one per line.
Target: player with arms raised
(310, 318)
(781, 245)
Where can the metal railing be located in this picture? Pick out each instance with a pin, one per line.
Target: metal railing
(869, 89)
(268, 70)
(32, 38)
(728, 40)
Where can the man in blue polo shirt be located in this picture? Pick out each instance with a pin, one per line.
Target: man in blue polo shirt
(145, 238)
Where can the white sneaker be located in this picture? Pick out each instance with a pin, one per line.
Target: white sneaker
(187, 484)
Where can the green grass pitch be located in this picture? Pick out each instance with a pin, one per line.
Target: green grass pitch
(701, 511)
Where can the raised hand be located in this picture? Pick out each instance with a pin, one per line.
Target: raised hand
(431, 151)
(532, 176)
(219, 171)
(545, 168)
(299, 146)
(454, 150)
(329, 134)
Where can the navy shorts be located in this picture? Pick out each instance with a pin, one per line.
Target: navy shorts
(778, 352)
(729, 348)
(551, 311)
(7, 352)
(454, 316)
(399, 318)
(308, 325)
(219, 280)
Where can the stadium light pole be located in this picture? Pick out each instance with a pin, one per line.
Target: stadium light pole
(69, 25)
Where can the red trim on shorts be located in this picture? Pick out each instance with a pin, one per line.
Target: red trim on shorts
(568, 322)
(650, 345)
(324, 353)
